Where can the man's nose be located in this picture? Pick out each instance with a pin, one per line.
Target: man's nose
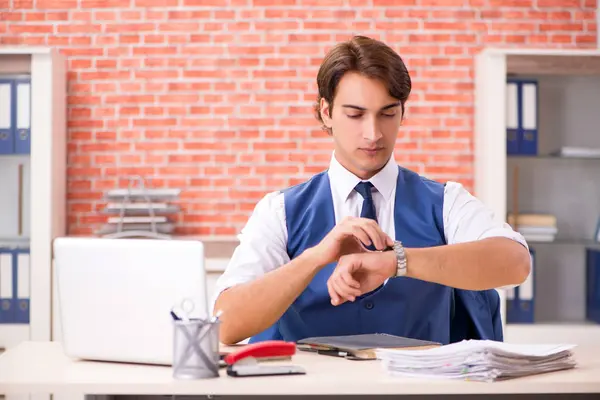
(371, 131)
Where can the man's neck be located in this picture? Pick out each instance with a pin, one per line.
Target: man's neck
(363, 175)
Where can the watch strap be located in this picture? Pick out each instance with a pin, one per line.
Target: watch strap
(401, 262)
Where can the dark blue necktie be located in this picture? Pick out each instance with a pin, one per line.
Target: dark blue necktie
(368, 207)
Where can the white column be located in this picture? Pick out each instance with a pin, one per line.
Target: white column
(490, 138)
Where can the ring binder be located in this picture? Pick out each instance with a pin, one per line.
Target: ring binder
(521, 116)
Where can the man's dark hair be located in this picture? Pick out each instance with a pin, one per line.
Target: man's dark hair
(369, 57)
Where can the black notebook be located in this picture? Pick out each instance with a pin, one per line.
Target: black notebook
(360, 347)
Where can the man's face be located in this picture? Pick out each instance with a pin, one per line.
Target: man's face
(364, 121)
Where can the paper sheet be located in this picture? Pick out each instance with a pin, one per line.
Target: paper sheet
(478, 360)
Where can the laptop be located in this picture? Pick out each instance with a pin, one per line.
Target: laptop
(116, 295)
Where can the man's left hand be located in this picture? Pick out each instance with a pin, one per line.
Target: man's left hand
(360, 273)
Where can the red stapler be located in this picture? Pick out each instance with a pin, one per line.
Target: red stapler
(245, 361)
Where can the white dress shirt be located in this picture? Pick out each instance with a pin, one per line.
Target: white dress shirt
(263, 241)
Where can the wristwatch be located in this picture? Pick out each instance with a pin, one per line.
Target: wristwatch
(398, 248)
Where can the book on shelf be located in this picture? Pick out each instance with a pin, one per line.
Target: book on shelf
(538, 233)
(535, 227)
(577, 152)
(532, 219)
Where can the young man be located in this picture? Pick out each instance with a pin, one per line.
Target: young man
(366, 246)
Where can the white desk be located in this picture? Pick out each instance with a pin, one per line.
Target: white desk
(41, 367)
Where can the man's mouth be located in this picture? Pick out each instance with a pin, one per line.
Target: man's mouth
(373, 150)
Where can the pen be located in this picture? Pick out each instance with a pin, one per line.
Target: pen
(335, 353)
(216, 317)
(175, 317)
(179, 315)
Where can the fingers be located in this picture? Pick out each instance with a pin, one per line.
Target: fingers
(369, 232)
(361, 234)
(344, 291)
(335, 298)
(338, 294)
(341, 285)
(347, 284)
(376, 235)
(347, 279)
(389, 240)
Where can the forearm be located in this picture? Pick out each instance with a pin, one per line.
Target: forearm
(477, 265)
(252, 307)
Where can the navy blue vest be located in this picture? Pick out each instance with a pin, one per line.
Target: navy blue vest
(403, 306)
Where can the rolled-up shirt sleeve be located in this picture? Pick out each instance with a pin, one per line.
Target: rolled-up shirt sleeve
(467, 219)
(262, 245)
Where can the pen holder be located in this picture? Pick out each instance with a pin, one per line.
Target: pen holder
(195, 349)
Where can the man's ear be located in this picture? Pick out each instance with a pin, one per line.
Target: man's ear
(325, 113)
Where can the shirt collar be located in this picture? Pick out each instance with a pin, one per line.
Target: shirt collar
(343, 181)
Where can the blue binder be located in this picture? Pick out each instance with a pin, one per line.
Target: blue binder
(7, 116)
(512, 117)
(7, 286)
(592, 312)
(522, 117)
(520, 301)
(21, 270)
(23, 116)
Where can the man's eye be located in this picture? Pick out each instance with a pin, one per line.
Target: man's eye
(389, 115)
(354, 116)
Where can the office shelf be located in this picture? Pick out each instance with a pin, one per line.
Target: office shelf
(559, 184)
(42, 182)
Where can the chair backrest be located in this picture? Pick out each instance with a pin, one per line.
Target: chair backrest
(475, 315)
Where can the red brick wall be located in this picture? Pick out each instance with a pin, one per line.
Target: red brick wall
(215, 96)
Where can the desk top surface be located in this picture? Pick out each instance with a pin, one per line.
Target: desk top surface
(42, 367)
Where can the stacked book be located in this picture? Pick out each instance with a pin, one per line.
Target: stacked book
(535, 227)
(477, 360)
(140, 212)
(577, 152)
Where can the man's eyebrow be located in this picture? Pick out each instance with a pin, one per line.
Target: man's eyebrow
(353, 106)
(364, 109)
(396, 104)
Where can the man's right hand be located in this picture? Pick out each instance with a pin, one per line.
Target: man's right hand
(351, 236)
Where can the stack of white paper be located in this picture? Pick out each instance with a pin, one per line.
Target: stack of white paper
(477, 360)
